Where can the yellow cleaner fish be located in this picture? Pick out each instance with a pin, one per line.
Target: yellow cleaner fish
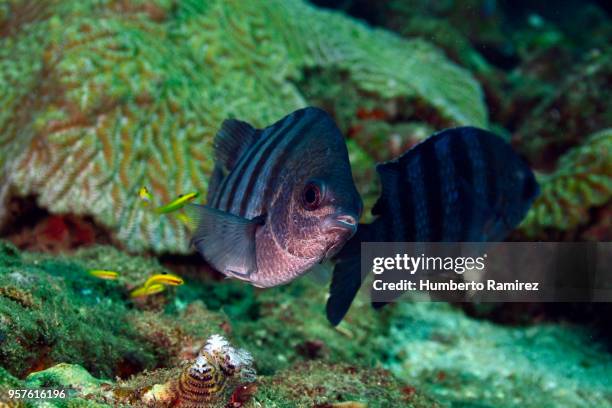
(144, 291)
(104, 274)
(165, 279)
(145, 196)
(178, 203)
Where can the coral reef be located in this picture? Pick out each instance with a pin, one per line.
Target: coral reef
(411, 354)
(88, 325)
(100, 98)
(582, 181)
(103, 95)
(576, 108)
(52, 311)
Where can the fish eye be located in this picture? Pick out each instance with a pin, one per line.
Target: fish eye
(312, 196)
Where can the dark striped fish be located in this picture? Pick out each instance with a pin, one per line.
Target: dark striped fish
(281, 199)
(463, 184)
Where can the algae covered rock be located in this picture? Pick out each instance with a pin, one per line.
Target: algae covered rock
(461, 361)
(63, 376)
(101, 98)
(337, 385)
(576, 107)
(52, 311)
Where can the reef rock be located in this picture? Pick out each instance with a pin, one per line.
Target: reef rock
(64, 376)
(101, 98)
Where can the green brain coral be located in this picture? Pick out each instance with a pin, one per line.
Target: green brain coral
(583, 180)
(101, 97)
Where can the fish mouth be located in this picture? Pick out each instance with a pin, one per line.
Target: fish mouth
(342, 226)
(342, 223)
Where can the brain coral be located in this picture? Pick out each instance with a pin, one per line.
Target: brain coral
(101, 97)
(583, 180)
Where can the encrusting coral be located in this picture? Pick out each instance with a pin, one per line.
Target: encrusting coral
(101, 98)
(583, 180)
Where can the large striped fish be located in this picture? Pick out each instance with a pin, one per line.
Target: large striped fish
(281, 199)
(463, 184)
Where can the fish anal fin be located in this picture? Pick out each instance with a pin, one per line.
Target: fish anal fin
(345, 284)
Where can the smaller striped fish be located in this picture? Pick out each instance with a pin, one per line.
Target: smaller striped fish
(281, 199)
(459, 185)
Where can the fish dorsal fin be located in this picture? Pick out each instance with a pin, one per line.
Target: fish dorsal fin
(215, 181)
(232, 140)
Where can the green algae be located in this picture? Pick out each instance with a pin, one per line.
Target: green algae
(84, 320)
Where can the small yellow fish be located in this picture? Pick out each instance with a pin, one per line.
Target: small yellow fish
(151, 290)
(178, 203)
(165, 279)
(145, 196)
(184, 218)
(104, 274)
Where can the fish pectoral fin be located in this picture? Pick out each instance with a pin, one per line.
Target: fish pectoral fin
(320, 273)
(225, 240)
(232, 140)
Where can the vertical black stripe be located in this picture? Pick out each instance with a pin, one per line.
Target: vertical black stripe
(464, 178)
(391, 207)
(243, 161)
(230, 178)
(433, 194)
(300, 126)
(490, 164)
(273, 135)
(406, 213)
(221, 190)
(233, 179)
